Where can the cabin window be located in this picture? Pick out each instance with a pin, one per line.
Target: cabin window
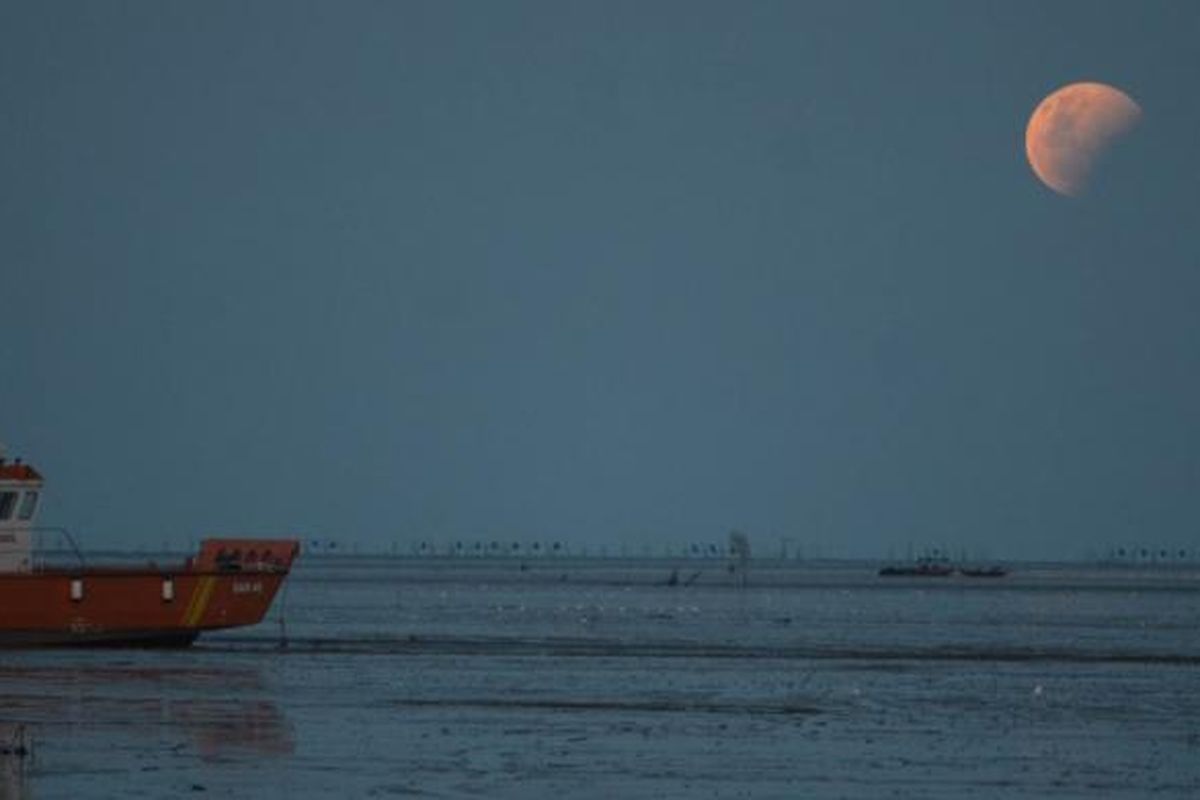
(168, 590)
(28, 505)
(76, 589)
(8, 501)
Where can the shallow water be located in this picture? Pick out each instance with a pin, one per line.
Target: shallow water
(493, 679)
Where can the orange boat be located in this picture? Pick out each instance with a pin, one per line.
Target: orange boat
(230, 582)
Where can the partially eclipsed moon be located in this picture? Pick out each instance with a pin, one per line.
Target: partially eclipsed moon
(1071, 128)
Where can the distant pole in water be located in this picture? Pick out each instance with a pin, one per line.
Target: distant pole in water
(739, 554)
(786, 548)
(283, 640)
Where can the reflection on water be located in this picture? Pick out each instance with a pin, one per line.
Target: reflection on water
(222, 728)
(49, 669)
(72, 703)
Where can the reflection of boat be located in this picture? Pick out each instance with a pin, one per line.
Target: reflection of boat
(925, 567)
(224, 711)
(231, 582)
(223, 727)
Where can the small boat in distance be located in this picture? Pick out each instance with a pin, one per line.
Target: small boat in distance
(925, 567)
(937, 566)
(229, 583)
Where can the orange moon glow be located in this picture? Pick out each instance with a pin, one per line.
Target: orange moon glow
(1073, 127)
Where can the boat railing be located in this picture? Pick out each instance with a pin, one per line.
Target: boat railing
(72, 547)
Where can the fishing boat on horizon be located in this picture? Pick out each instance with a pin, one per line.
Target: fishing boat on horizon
(230, 582)
(936, 566)
(923, 567)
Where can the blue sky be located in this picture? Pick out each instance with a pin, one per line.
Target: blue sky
(598, 272)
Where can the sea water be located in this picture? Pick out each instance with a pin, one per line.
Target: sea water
(382, 677)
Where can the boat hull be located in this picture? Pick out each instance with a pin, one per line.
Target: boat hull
(144, 607)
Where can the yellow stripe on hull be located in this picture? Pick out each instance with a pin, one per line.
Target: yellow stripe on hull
(199, 602)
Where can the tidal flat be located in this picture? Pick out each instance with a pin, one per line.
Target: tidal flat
(380, 677)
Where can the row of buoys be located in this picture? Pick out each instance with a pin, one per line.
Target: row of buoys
(496, 548)
(1160, 554)
(493, 549)
(710, 550)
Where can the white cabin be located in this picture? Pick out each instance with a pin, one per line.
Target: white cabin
(20, 492)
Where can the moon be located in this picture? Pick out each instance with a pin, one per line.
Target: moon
(1072, 128)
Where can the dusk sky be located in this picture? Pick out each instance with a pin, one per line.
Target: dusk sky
(599, 272)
